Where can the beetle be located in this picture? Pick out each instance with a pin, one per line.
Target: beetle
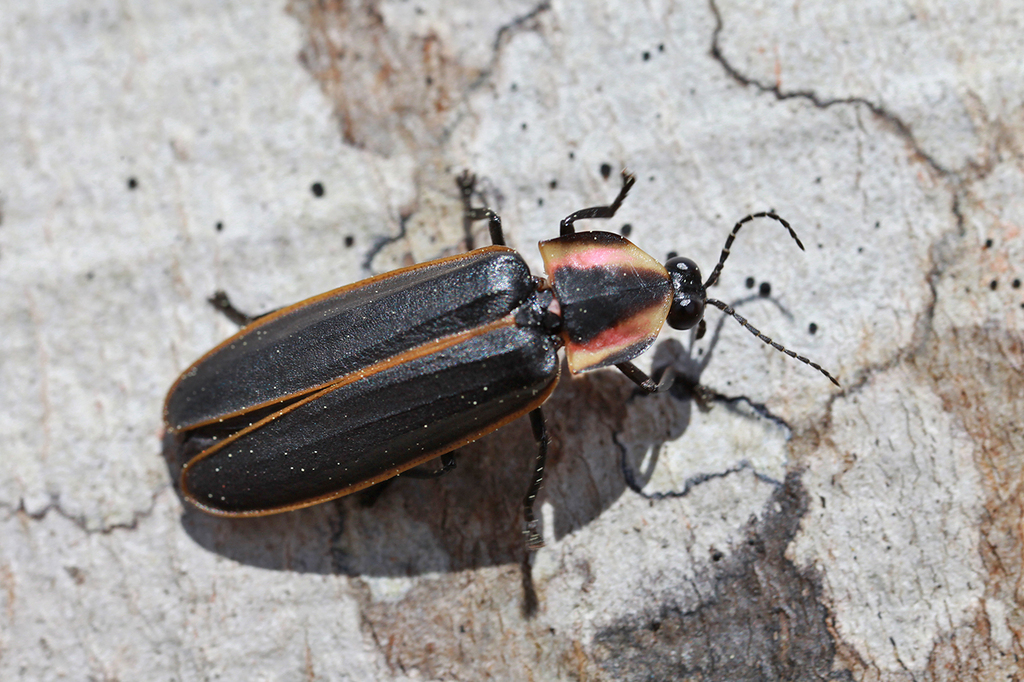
(350, 388)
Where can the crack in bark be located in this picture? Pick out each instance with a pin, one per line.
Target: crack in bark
(380, 243)
(79, 520)
(901, 128)
(503, 35)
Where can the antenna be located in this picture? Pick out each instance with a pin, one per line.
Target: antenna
(729, 310)
(732, 235)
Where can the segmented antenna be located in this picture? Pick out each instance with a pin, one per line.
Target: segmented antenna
(729, 310)
(732, 235)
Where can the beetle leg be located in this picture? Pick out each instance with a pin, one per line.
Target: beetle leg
(447, 464)
(466, 183)
(647, 384)
(221, 302)
(565, 227)
(369, 496)
(534, 539)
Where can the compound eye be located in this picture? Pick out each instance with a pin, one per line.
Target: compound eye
(687, 295)
(683, 266)
(685, 314)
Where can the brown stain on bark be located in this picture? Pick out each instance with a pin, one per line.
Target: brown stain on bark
(391, 91)
(979, 374)
(461, 627)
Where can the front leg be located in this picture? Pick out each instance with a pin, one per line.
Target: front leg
(628, 179)
(647, 384)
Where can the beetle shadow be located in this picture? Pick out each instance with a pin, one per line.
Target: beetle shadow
(472, 517)
(587, 476)
(468, 518)
(640, 457)
(577, 493)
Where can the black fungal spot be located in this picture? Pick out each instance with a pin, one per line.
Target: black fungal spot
(349, 241)
(524, 126)
(1015, 284)
(765, 289)
(90, 275)
(750, 282)
(661, 47)
(817, 180)
(626, 230)
(317, 189)
(988, 243)
(993, 284)
(812, 328)
(132, 183)
(219, 226)
(430, 81)
(572, 155)
(647, 56)
(606, 170)
(514, 87)
(553, 184)
(540, 201)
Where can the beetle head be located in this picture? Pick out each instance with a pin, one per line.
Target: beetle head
(688, 294)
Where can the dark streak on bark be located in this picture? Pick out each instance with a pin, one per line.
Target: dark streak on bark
(761, 619)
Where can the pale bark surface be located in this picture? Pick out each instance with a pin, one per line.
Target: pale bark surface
(155, 152)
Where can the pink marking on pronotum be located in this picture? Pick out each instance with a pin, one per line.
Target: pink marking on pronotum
(636, 330)
(591, 257)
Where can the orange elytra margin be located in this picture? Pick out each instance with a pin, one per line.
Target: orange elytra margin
(250, 328)
(412, 354)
